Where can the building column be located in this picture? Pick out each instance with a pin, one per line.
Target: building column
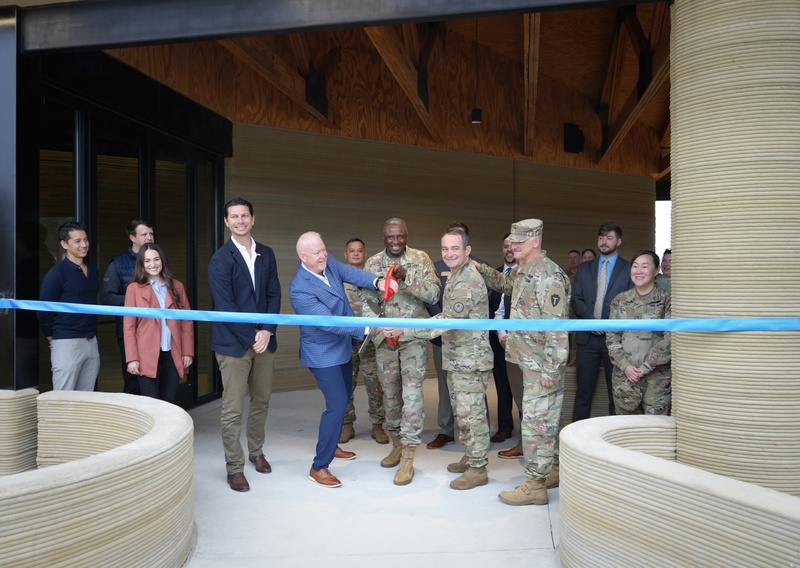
(9, 22)
(735, 106)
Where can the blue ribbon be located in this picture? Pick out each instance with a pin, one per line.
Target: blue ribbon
(678, 324)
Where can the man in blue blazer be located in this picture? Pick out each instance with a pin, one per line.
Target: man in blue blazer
(591, 345)
(243, 277)
(317, 289)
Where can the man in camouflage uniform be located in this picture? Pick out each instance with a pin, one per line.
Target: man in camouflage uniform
(355, 253)
(539, 290)
(466, 356)
(402, 370)
(642, 377)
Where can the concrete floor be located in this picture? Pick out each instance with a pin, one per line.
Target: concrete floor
(285, 520)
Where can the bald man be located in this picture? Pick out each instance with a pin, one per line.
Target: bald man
(317, 289)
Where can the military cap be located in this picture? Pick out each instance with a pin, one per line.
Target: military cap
(521, 231)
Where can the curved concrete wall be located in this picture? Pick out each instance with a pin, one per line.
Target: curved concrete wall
(735, 106)
(623, 505)
(116, 490)
(17, 430)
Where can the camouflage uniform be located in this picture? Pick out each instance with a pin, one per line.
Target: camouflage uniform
(467, 357)
(369, 369)
(663, 282)
(648, 350)
(539, 290)
(401, 372)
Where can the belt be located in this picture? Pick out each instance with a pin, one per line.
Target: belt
(88, 337)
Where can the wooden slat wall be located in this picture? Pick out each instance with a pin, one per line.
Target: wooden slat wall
(345, 187)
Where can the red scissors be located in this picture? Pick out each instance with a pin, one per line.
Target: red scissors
(387, 294)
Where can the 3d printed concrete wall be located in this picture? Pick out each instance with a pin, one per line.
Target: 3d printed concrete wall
(114, 487)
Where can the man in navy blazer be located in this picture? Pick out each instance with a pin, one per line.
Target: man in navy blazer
(317, 289)
(243, 277)
(591, 345)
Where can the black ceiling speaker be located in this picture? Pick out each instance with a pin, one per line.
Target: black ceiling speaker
(573, 138)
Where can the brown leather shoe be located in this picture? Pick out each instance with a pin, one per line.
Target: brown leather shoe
(324, 477)
(238, 481)
(341, 454)
(262, 465)
(440, 441)
(500, 436)
(510, 453)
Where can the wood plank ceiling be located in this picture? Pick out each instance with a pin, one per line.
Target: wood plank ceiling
(605, 69)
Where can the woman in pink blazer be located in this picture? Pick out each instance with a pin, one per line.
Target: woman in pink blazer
(158, 351)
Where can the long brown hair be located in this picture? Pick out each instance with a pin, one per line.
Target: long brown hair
(140, 276)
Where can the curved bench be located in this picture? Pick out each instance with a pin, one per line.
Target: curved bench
(113, 488)
(625, 501)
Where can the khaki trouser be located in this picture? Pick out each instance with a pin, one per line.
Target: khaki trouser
(248, 374)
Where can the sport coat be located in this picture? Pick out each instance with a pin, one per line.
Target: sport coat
(232, 291)
(143, 335)
(584, 292)
(327, 346)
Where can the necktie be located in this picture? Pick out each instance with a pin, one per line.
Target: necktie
(602, 282)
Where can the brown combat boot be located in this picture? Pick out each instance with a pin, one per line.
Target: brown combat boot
(405, 473)
(470, 479)
(379, 434)
(348, 433)
(394, 456)
(460, 466)
(552, 477)
(531, 492)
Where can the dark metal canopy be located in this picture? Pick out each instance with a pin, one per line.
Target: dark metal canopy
(116, 23)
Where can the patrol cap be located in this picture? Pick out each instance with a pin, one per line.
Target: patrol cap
(521, 231)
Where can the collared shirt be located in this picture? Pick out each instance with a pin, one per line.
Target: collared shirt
(161, 293)
(500, 313)
(66, 282)
(249, 259)
(611, 262)
(320, 276)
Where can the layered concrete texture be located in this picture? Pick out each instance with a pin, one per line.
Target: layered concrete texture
(625, 501)
(17, 430)
(113, 487)
(718, 484)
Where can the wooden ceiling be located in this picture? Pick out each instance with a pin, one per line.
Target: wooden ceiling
(606, 69)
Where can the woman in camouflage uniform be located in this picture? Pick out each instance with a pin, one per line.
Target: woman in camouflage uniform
(642, 378)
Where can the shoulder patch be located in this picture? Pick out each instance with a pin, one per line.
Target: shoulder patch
(458, 307)
(554, 299)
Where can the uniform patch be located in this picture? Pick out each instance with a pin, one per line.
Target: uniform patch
(458, 307)
(555, 299)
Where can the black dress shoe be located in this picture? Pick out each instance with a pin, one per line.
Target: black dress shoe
(500, 436)
(238, 481)
(262, 465)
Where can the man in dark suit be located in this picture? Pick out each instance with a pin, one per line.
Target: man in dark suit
(317, 289)
(505, 420)
(243, 277)
(596, 284)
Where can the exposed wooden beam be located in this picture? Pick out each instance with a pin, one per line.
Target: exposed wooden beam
(393, 53)
(280, 74)
(635, 31)
(608, 94)
(658, 29)
(411, 40)
(664, 168)
(301, 54)
(635, 104)
(532, 25)
(430, 33)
